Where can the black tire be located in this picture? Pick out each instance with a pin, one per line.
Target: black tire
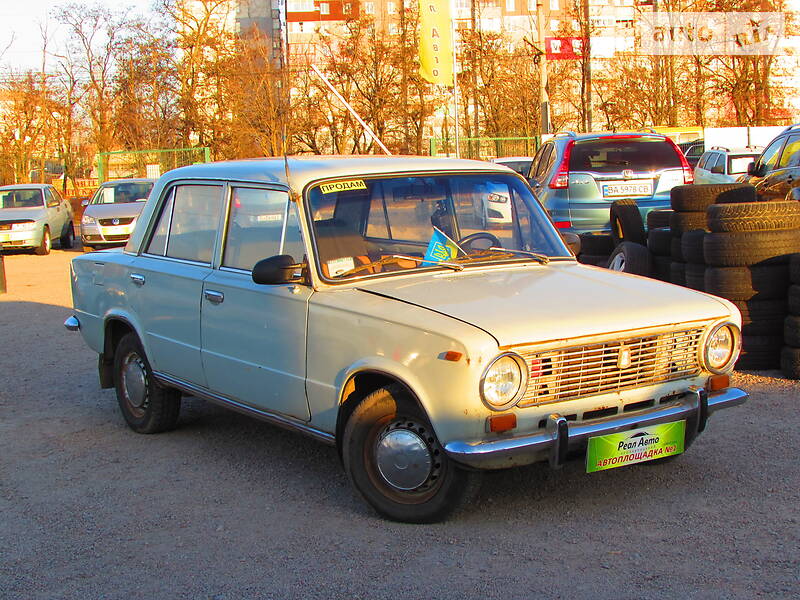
(745, 248)
(698, 197)
(676, 250)
(677, 273)
(598, 244)
(757, 282)
(597, 260)
(680, 222)
(695, 276)
(147, 406)
(629, 257)
(658, 218)
(661, 267)
(794, 299)
(754, 216)
(43, 249)
(692, 246)
(760, 352)
(794, 268)
(762, 317)
(67, 239)
(626, 222)
(791, 331)
(790, 362)
(659, 241)
(446, 486)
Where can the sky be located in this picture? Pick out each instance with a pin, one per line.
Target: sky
(21, 20)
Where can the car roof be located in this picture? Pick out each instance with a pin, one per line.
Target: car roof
(502, 159)
(111, 182)
(26, 186)
(305, 169)
(579, 137)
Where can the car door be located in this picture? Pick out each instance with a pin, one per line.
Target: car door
(56, 213)
(770, 174)
(166, 281)
(254, 336)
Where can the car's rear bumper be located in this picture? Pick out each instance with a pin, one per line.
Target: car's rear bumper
(560, 438)
(21, 239)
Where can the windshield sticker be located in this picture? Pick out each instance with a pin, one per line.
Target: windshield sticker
(108, 195)
(440, 248)
(343, 186)
(337, 266)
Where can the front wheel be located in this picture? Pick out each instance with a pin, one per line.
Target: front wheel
(44, 247)
(67, 238)
(146, 406)
(392, 456)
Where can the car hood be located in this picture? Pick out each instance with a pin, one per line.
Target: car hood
(109, 211)
(556, 301)
(19, 214)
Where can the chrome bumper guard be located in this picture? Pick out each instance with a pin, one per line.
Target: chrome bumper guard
(72, 323)
(560, 437)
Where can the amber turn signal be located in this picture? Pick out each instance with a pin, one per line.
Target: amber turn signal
(452, 356)
(718, 382)
(500, 423)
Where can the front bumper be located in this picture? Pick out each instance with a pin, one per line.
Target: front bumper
(560, 438)
(112, 235)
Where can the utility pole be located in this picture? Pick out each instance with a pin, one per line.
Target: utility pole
(586, 66)
(544, 102)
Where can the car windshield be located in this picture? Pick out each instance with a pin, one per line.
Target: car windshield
(21, 199)
(119, 193)
(367, 226)
(609, 155)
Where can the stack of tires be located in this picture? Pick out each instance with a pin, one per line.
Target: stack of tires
(747, 254)
(790, 354)
(659, 243)
(630, 252)
(689, 204)
(595, 248)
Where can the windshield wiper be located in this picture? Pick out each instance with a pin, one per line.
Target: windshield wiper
(535, 255)
(439, 263)
(393, 258)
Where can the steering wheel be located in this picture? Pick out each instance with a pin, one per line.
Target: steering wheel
(479, 235)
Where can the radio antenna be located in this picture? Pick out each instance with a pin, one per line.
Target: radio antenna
(353, 112)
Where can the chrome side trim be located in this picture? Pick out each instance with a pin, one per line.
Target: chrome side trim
(72, 323)
(270, 417)
(560, 436)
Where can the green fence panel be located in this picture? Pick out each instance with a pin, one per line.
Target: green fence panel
(485, 148)
(122, 164)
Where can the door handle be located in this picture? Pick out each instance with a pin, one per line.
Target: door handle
(214, 297)
(137, 279)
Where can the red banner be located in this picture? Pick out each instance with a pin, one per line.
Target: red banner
(563, 48)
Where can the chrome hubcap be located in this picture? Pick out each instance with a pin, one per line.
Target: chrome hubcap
(404, 459)
(134, 381)
(618, 264)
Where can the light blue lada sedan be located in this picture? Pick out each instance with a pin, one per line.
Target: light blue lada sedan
(363, 302)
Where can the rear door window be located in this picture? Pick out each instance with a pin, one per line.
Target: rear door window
(614, 155)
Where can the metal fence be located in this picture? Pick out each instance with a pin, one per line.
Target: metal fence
(147, 163)
(484, 148)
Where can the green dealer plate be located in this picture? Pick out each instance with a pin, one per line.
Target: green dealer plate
(635, 446)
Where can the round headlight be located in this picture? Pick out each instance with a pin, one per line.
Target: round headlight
(722, 348)
(503, 381)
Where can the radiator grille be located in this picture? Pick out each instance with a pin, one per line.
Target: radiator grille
(593, 369)
(119, 221)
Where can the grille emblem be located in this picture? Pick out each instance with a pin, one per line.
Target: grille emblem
(115, 221)
(624, 358)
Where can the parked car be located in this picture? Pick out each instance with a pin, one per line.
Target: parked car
(577, 177)
(520, 164)
(359, 301)
(110, 215)
(777, 170)
(693, 151)
(722, 165)
(31, 215)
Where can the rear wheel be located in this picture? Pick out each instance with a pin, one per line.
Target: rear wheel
(44, 247)
(392, 457)
(147, 406)
(67, 239)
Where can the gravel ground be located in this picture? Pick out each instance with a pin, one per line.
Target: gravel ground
(226, 507)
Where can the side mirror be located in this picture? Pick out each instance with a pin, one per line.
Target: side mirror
(276, 269)
(751, 169)
(717, 169)
(573, 242)
(85, 202)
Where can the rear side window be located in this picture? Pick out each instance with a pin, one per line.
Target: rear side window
(615, 155)
(187, 226)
